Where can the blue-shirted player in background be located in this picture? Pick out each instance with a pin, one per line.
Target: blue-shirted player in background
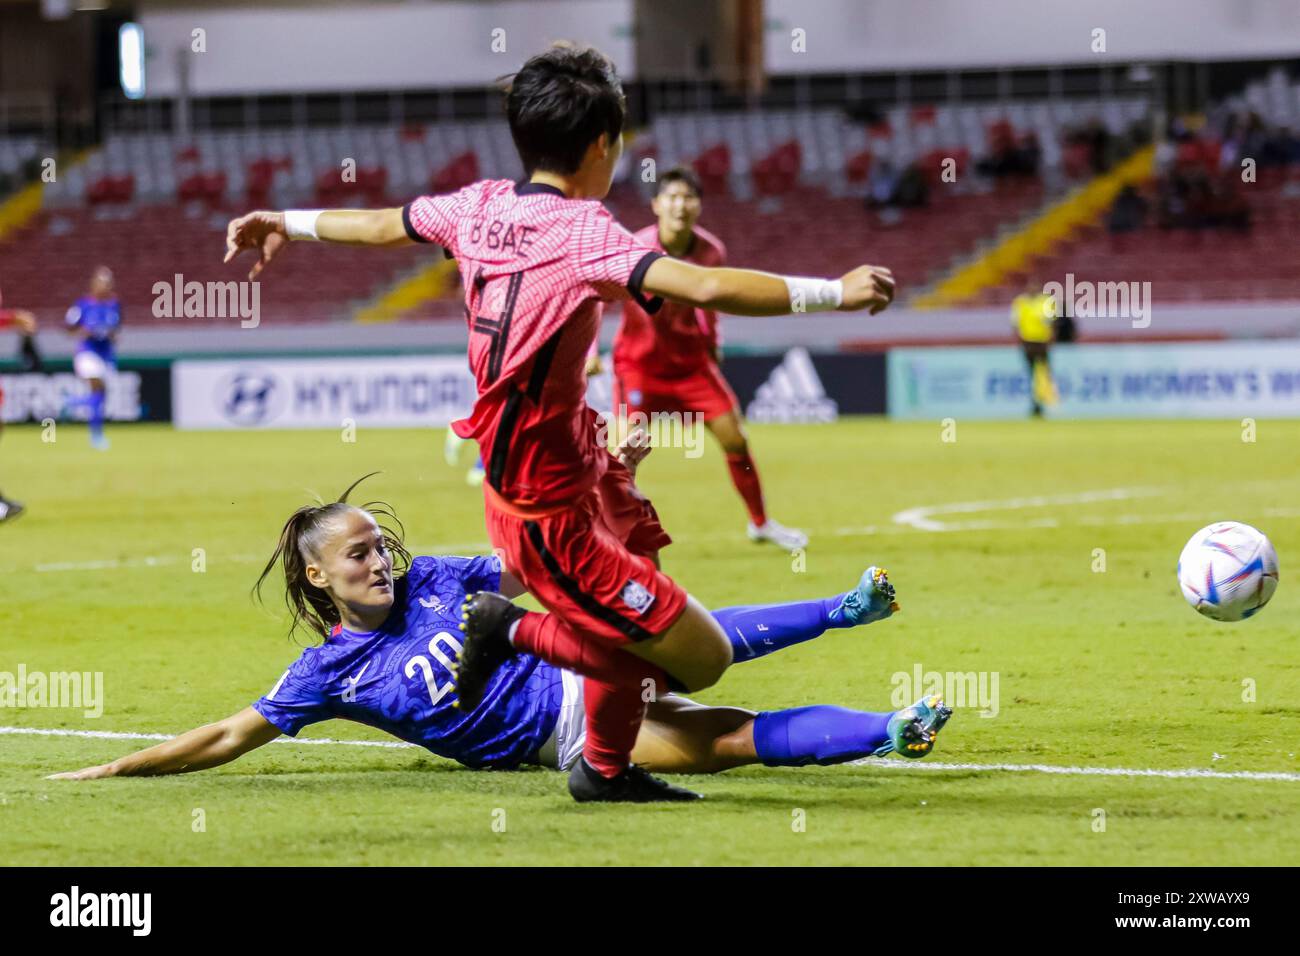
(391, 638)
(95, 318)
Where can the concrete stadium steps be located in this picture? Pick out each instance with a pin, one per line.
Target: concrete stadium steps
(1012, 255)
(1185, 265)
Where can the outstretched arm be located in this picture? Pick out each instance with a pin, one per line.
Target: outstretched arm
(199, 749)
(750, 292)
(266, 233)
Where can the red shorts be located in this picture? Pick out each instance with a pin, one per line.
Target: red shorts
(705, 391)
(588, 563)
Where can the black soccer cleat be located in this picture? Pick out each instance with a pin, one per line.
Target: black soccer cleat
(633, 785)
(10, 509)
(485, 619)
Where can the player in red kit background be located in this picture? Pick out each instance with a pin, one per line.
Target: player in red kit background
(25, 323)
(668, 362)
(539, 259)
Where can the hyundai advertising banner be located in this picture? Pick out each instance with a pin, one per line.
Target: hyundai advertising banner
(1194, 380)
(380, 392)
(432, 390)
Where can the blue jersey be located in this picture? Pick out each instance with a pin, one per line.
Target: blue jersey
(99, 320)
(398, 678)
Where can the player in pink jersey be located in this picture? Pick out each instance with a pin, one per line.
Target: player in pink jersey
(669, 362)
(538, 259)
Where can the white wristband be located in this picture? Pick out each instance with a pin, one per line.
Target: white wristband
(814, 295)
(301, 223)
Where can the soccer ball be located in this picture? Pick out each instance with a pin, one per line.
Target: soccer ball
(1228, 571)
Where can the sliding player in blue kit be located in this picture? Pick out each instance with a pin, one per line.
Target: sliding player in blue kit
(391, 640)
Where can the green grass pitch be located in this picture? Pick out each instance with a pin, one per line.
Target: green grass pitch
(1095, 668)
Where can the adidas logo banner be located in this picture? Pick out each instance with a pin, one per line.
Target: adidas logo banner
(793, 392)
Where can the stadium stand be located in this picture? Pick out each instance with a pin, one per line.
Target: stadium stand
(787, 190)
(1200, 207)
(20, 158)
(48, 262)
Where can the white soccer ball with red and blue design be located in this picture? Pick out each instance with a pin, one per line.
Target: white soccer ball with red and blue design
(1228, 571)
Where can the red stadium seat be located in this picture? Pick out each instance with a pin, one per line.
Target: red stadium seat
(111, 189)
(260, 177)
(460, 172)
(858, 167)
(202, 187)
(372, 182)
(923, 115)
(713, 166)
(777, 172)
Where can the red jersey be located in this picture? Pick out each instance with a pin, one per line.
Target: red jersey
(678, 340)
(537, 269)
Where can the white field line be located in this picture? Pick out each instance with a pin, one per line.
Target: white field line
(923, 517)
(1191, 773)
(1031, 524)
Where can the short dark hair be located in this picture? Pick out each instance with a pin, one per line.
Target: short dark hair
(681, 174)
(559, 103)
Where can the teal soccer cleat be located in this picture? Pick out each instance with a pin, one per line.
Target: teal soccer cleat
(912, 730)
(872, 600)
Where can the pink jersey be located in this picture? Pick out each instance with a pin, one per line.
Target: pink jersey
(679, 339)
(537, 269)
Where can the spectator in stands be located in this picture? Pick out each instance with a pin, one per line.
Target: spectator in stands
(1197, 191)
(913, 190)
(1098, 147)
(890, 191)
(1281, 148)
(881, 184)
(1129, 211)
(1246, 136)
(1010, 153)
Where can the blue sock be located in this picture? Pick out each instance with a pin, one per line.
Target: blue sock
(96, 402)
(756, 630)
(820, 734)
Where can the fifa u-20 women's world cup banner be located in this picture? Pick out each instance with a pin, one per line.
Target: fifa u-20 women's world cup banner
(1186, 380)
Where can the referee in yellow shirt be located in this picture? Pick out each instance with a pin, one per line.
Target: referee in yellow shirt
(1033, 316)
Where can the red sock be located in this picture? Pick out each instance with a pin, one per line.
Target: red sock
(745, 477)
(616, 682)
